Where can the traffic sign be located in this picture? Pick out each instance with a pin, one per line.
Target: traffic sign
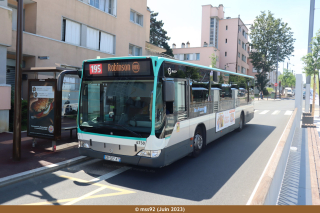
(275, 84)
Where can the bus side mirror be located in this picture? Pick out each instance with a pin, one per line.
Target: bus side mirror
(80, 73)
(168, 91)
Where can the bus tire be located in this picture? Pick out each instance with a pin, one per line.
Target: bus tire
(241, 124)
(198, 142)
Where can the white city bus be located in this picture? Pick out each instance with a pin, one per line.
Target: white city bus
(152, 111)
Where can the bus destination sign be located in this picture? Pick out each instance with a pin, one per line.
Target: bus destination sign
(119, 68)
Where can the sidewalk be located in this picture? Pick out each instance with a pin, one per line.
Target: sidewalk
(35, 157)
(314, 157)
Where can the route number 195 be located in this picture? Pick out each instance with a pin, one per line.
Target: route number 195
(95, 69)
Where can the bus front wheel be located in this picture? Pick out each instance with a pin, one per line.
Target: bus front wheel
(198, 142)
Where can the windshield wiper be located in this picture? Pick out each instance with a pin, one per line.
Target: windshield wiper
(123, 127)
(128, 130)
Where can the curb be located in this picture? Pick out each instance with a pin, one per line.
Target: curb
(266, 187)
(40, 171)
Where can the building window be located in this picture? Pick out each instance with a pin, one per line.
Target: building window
(93, 38)
(136, 17)
(108, 6)
(239, 41)
(107, 43)
(214, 32)
(238, 68)
(176, 56)
(186, 57)
(71, 32)
(239, 54)
(254, 70)
(244, 58)
(226, 40)
(225, 54)
(226, 27)
(240, 29)
(243, 70)
(135, 50)
(197, 56)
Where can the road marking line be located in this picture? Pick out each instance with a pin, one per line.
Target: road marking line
(89, 195)
(288, 112)
(110, 174)
(87, 198)
(265, 168)
(84, 196)
(264, 112)
(276, 112)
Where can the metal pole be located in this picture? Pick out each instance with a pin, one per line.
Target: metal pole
(275, 96)
(308, 78)
(16, 152)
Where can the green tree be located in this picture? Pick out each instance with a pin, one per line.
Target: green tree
(266, 35)
(287, 79)
(312, 63)
(158, 36)
(262, 80)
(213, 58)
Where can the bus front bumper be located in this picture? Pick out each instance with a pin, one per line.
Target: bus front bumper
(135, 160)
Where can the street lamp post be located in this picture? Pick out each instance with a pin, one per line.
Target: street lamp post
(275, 96)
(16, 151)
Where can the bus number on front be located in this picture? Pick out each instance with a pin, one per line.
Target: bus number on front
(141, 143)
(95, 69)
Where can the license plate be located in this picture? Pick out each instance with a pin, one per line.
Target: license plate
(112, 158)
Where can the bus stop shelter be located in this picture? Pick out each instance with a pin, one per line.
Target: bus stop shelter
(52, 94)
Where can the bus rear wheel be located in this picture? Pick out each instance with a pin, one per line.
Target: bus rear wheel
(241, 123)
(198, 142)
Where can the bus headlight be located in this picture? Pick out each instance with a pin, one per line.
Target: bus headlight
(84, 144)
(149, 153)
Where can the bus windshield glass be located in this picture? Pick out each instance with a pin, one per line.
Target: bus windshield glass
(117, 107)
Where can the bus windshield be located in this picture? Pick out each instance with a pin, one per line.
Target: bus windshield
(116, 107)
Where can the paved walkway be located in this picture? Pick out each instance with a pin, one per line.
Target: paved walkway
(34, 157)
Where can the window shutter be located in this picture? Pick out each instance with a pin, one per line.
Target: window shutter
(107, 43)
(92, 38)
(114, 7)
(72, 32)
(14, 18)
(101, 4)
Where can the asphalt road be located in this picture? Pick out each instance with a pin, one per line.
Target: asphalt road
(225, 173)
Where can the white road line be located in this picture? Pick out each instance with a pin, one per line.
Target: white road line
(276, 112)
(288, 112)
(95, 180)
(109, 175)
(264, 112)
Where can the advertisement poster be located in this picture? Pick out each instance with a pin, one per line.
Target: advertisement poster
(225, 119)
(41, 113)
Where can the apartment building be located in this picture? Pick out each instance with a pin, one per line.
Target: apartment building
(227, 38)
(66, 32)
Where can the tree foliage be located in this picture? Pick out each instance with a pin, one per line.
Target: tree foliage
(266, 35)
(287, 79)
(262, 80)
(312, 63)
(158, 36)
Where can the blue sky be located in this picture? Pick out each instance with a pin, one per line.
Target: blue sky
(182, 20)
